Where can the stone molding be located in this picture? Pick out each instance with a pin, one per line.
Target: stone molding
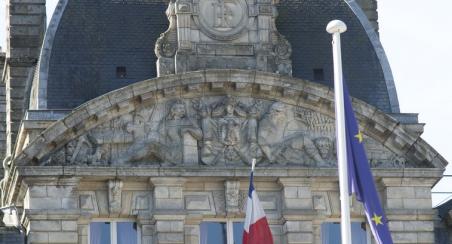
(295, 205)
(376, 124)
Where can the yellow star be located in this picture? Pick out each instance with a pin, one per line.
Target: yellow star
(359, 136)
(377, 219)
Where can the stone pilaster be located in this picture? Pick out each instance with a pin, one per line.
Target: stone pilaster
(169, 209)
(147, 230)
(408, 206)
(26, 27)
(297, 207)
(192, 230)
(296, 193)
(82, 230)
(51, 210)
(298, 232)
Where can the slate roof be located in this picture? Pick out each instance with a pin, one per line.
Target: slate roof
(95, 37)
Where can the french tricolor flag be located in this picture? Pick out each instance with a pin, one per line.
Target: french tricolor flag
(256, 225)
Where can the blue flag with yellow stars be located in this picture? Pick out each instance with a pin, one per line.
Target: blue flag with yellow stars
(360, 179)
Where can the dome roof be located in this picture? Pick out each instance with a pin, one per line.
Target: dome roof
(93, 47)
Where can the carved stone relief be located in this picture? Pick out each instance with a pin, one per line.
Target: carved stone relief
(232, 189)
(114, 196)
(215, 131)
(222, 34)
(166, 44)
(221, 18)
(167, 143)
(84, 150)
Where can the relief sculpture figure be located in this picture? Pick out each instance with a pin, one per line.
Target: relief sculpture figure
(325, 147)
(165, 145)
(227, 137)
(280, 146)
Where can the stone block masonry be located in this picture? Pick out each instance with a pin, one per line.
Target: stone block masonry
(27, 24)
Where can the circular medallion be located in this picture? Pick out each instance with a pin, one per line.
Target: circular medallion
(222, 19)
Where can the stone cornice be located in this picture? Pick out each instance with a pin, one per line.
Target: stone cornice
(291, 174)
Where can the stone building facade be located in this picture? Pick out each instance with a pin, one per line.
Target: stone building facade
(103, 130)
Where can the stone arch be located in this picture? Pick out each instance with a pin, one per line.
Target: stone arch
(375, 123)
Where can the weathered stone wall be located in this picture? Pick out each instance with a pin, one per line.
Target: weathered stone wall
(170, 199)
(2, 108)
(409, 201)
(170, 203)
(26, 26)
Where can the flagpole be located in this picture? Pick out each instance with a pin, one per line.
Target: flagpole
(335, 28)
(253, 164)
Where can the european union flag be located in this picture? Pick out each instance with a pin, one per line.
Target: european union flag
(360, 179)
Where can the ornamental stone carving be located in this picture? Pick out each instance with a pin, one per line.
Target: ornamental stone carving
(114, 196)
(283, 142)
(216, 131)
(166, 44)
(167, 143)
(84, 150)
(232, 190)
(229, 133)
(221, 19)
(222, 34)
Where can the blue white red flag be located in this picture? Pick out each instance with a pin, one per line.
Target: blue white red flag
(256, 226)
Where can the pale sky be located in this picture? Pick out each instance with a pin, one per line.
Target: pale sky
(417, 41)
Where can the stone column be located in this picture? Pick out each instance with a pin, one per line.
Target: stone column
(169, 209)
(408, 206)
(51, 210)
(297, 210)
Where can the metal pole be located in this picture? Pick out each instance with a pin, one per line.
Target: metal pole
(336, 27)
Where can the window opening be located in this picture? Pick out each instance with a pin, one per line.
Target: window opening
(114, 232)
(121, 72)
(331, 233)
(318, 75)
(221, 232)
